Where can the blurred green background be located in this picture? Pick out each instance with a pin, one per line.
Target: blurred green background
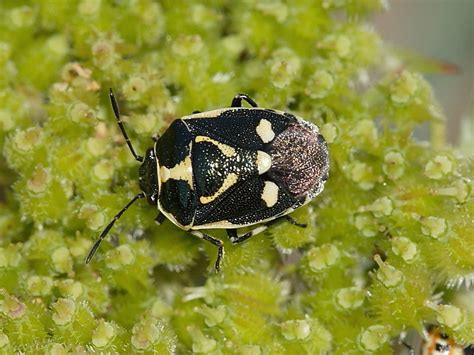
(440, 30)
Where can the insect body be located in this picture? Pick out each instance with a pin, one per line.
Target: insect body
(438, 343)
(230, 168)
(435, 342)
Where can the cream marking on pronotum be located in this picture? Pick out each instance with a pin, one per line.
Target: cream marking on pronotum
(208, 114)
(227, 150)
(264, 131)
(158, 173)
(270, 193)
(264, 162)
(181, 171)
(230, 180)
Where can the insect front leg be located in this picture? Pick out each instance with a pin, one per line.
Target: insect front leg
(237, 100)
(218, 243)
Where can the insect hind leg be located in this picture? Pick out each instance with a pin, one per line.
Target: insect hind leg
(236, 239)
(294, 222)
(217, 242)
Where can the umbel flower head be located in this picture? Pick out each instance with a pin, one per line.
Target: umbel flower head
(391, 230)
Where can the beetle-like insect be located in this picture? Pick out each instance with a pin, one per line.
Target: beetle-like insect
(229, 168)
(434, 342)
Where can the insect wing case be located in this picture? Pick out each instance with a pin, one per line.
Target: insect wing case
(236, 167)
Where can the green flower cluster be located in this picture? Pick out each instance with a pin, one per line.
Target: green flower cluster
(391, 231)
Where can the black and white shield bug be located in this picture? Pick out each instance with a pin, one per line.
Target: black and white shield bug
(229, 168)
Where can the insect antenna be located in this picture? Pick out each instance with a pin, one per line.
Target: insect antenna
(110, 225)
(115, 107)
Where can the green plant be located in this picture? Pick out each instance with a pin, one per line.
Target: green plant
(392, 228)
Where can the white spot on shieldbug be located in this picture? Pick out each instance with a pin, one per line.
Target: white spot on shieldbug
(264, 162)
(270, 193)
(264, 131)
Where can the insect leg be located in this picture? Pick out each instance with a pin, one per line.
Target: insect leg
(235, 238)
(237, 100)
(160, 218)
(115, 107)
(110, 225)
(294, 222)
(401, 341)
(218, 243)
(411, 351)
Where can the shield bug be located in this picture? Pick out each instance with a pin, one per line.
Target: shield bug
(229, 168)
